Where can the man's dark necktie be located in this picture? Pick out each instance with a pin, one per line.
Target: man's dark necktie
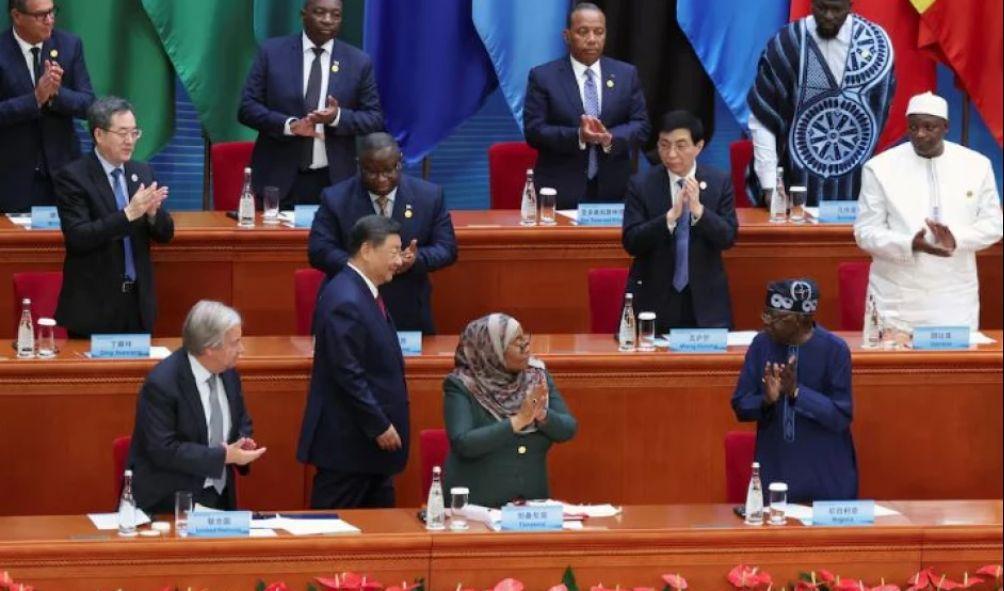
(36, 62)
(681, 267)
(788, 415)
(122, 200)
(310, 101)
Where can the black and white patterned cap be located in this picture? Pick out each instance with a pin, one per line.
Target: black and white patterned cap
(793, 295)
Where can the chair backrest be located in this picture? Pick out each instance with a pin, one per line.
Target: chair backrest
(739, 450)
(42, 288)
(740, 155)
(507, 164)
(606, 295)
(228, 161)
(120, 453)
(433, 446)
(306, 283)
(853, 280)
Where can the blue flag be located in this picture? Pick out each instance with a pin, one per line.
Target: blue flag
(520, 34)
(431, 68)
(728, 37)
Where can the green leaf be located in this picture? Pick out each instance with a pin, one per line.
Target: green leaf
(311, 587)
(260, 585)
(569, 579)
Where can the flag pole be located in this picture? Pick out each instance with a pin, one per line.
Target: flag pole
(206, 169)
(966, 118)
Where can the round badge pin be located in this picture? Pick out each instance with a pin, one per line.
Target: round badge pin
(54, 54)
(407, 213)
(610, 83)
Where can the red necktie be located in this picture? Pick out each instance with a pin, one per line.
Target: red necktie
(380, 304)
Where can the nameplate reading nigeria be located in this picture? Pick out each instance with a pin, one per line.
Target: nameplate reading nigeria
(698, 340)
(44, 217)
(843, 512)
(120, 346)
(940, 338)
(219, 524)
(411, 342)
(838, 212)
(600, 214)
(532, 518)
(303, 215)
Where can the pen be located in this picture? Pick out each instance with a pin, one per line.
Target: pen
(257, 515)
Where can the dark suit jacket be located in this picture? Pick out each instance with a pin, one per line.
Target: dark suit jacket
(551, 118)
(26, 130)
(408, 296)
(273, 93)
(93, 229)
(357, 387)
(170, 442)
(649, 241)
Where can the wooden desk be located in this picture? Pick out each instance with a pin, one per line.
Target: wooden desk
(927, 425)
(537, 274)
(701, 542)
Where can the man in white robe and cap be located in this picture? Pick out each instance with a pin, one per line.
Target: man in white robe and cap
(926, 208)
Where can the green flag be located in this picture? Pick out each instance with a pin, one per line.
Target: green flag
(211, 45)
(274, 18)
(132, 66)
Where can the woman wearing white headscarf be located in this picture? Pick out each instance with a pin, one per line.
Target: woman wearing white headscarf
(502, 413)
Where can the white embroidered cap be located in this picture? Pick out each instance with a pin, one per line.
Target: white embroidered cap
(928, 103)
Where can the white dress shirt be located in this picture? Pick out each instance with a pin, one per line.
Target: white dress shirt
(369, 284)
(390, 202)
(320, 159)
(28, 56)
(674, 192)
(764, 143)
(202, 375)
(579, 69)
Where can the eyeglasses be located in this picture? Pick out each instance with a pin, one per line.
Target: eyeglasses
(133, 134)
(42, 15)
(386, 173)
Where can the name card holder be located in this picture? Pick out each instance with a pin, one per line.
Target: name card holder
(44, 217)
(411, 342)
(600, 214)
(838, 212)
(532, 518)
(842, 513)
(303, 215)
(120, 346)
(219, 524)
(940, 338)
(698, 340)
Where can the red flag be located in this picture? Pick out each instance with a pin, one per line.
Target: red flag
(915, 70)
(968, 35)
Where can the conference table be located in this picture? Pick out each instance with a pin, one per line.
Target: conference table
(701, 542)
(537, 274)
(927, 425)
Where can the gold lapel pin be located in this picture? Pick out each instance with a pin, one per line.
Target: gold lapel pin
(54, 54)
(610, 83)
(335, 66)
(134, 178)
(703, 185)
(407, 211)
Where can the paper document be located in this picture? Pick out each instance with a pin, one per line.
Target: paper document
(571, 510)
(978, 338)
(740, 338)
(305, 527)
(572, 214)
(157, 352)
(20, 219)
(110, 521)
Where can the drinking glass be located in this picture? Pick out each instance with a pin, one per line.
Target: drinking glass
(778, 503)
(798, 196)
(182, 507)
(270, 204)
(646, 331)
(458, 502)
(548, 199)
(46, 338)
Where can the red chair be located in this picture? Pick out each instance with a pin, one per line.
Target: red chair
(606, 296)
(739, 450)
(433, 446)
(306, 283)
(120, 453)
(42, 288)
(507, 164)
(853, 280)
(740, 156)
(227, 163)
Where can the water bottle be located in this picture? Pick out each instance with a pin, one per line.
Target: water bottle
(528, 206)
(871, 337)
(627, 336)
(25, 332)
(779, 200)
(435, 510)
(245, 207)
(127, 508)
(754, 498)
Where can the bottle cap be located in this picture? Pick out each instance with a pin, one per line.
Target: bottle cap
(436, 470)
(128, 472)
(756, 465)
(26, 302)
(778, 487)
(629, 296)
(247, 170)
(529, 171)
(46, 322)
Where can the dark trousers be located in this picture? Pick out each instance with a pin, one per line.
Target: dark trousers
(306, 189)
(123, 319)
(678, 311)
(42, 191)
(207, 497)
(347, 490)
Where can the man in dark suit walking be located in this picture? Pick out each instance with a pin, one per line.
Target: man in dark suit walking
(415, 204)
(107, 274)
(43, 85)
(678, 218)
(308, 96)
(355, 425)
(192, 428)
(585, 114)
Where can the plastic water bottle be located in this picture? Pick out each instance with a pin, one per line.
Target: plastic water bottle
(435, 509)
(754, 498)
(528, 206)
(245, 207)
(779, 200)
(127, 508)
(25, 332)
(627, 336)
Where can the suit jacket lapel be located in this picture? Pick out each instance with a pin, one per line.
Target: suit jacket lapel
(571, 85)
(190, 394)
(132, 179)
(402, 199)
(334, 78)
(13, 54)
(607, 91)
(663, 197)
(102, 184)
(231, 386)
(296, 61)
